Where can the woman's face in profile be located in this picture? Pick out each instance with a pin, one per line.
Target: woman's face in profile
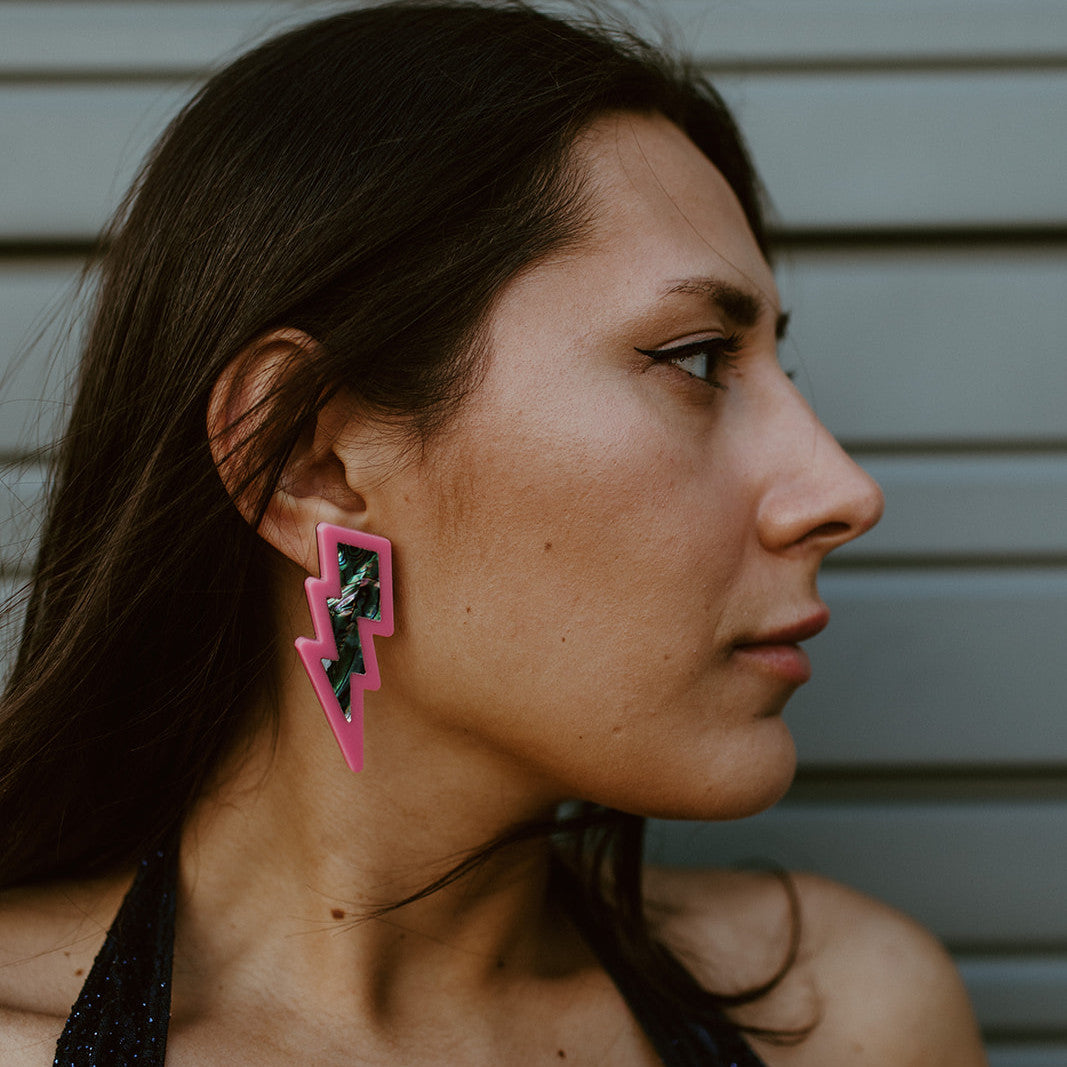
(606, 560)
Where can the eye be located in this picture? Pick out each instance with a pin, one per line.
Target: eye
(701, 359)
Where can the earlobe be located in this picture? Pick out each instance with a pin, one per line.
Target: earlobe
(313, 486)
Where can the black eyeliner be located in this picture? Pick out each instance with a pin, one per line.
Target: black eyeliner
(719, 351)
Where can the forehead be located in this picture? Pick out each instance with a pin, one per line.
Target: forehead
(664, 222)
(657, 196)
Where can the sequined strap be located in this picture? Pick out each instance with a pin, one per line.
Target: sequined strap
(123, 1011)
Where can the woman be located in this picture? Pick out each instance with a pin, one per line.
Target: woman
(465, 313)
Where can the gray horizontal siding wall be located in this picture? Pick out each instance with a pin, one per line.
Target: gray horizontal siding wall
(915, 152)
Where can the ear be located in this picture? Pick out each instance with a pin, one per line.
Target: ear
(321, 478)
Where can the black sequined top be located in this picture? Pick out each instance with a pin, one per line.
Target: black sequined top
(123, 1011)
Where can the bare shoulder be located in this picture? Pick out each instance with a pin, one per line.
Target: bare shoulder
(49, 936)
(874, 986)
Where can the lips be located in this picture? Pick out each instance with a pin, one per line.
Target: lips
(791, 634)
(777, 650)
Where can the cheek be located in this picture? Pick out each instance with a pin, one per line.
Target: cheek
(565, 598)
(576, 560)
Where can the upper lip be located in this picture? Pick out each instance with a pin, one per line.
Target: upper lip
(792, 634)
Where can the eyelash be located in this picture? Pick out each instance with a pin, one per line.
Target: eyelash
(718, 352)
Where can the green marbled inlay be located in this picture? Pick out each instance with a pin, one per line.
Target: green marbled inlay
(360, 599)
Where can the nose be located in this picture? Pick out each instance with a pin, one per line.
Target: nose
(817, 496)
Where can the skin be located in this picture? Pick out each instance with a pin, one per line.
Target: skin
(589, 562)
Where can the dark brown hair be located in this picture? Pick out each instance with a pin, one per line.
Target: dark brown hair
(372, 179)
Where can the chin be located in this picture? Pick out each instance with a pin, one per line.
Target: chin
(734, 788)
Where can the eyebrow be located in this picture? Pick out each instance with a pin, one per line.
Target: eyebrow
(740, 305)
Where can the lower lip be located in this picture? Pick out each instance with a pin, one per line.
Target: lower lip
(788, 662)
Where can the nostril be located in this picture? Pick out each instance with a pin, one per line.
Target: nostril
(831, 531)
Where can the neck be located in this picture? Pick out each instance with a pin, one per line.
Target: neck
(288, 862)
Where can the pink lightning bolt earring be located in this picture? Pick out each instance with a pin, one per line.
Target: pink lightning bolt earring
(350, 601)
